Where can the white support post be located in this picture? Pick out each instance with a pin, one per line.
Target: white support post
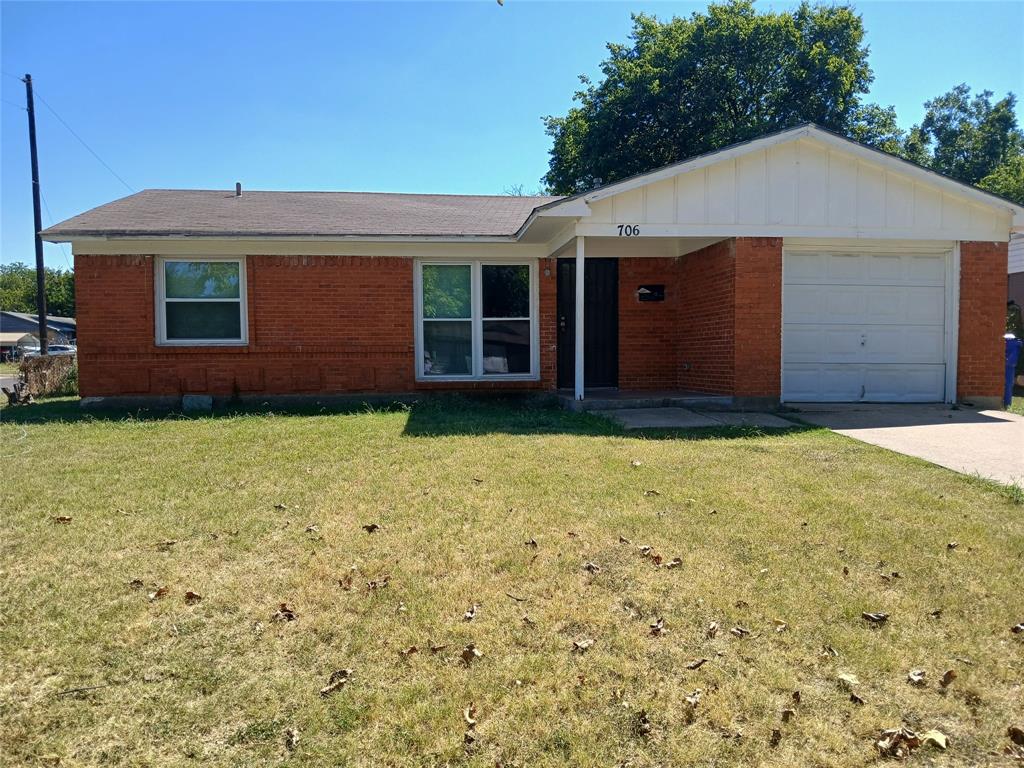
(580, 298)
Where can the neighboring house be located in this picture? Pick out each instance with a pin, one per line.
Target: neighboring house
(62, 330)
(800, 266)
(1015, 266)
(13, 342)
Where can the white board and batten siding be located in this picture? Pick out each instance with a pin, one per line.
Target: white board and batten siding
(1016, 254)
(867, 324)
(799, 188)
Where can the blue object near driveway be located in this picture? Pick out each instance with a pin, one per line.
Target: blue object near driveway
(1013, 347)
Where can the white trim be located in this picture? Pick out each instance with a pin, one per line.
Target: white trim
(952, 321)
(578, 362)
(476, 320)
(161, 300)
(761, 230)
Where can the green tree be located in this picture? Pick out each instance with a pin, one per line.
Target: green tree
(969, 138)
(18, 289)
(1007, 180)
(691, 85)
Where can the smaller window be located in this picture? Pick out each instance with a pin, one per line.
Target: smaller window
(201, 302)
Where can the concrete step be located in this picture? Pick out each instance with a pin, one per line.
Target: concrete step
(653, 400)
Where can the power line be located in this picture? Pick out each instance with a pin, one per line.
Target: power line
(13, 104)
(49, 214)
(82, 142)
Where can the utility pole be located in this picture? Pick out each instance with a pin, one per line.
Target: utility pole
(38, 220)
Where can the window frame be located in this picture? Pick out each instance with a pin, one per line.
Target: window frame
(476, 319)
(160, 289)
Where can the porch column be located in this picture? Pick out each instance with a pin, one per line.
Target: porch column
(579, 318)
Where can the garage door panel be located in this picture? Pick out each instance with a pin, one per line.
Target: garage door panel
(864, 326)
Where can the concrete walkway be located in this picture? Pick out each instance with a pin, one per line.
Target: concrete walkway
(987, 443)
(684, 418)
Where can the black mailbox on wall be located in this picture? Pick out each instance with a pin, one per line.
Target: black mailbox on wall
(651, 293)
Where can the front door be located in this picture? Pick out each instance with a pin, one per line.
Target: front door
(600, 323)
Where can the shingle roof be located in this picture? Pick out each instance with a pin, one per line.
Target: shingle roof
(215, 213)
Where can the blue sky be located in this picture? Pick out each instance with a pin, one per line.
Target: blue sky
(411, 97)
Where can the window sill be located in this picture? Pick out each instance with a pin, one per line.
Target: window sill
(201, 344)
(476, 379)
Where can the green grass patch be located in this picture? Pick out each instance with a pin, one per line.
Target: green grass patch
(267, 508)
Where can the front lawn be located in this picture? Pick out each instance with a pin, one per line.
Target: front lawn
(538, 518)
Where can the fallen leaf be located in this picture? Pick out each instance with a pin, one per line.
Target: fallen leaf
(856, 699)
(947, 678)
(675, 562)
(580, 646)
(409, 651)
(572, 534)
(378, 583)
(952, 545)
(624, 540)
(643, 723)
(846, 571)
(897, 742)
(158, 593)
(1016, 734)
(937, 613)
(696, 663)
(346, 582)
(312, 528)
(828, 650)
(528, 621)
(591, 567)
(165, 546)
(780, 625)
(516, 598)
(652, 492)
(135, 584)
(739, 631)
(775, 738)
(371, 527)
(917, 677)
(532, 543)
(469, 715)
(471, 613)
(657, 627)
(291, 739)
(470, 654)
(62, 519)
(796, 697)
(437, 648)
(787, 715)
(693, 699)
(742, 604)
(875, 618)
(936, 738)
(338, 680)
(401, 608)
(636, 463)
(847, 680)
(712, 629)
(257, 628)
(191, 598)
(1017, 628)
(477, 480)
(284, 613)
(280, 507)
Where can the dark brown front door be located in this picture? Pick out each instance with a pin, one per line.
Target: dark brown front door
(600, 323)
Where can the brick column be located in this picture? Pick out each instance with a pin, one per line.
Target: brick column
(981, 351)
(758, 320)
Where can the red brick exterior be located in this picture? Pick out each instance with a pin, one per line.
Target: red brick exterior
(981, 358)
(649, 330)
(758, 317)
(317, 324)
(707, 318)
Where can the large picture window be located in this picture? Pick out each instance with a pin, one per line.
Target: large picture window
(201, 301)
(476, 320)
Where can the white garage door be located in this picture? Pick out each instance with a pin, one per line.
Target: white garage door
(863, 327)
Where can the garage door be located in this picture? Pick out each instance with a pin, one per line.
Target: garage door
(863, 327)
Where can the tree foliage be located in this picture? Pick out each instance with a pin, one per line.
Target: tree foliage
(18, 290)
(691, 85)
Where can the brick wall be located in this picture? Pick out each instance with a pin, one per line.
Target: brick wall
(648, 330)
(981, 357)
(316, 324)
(758, 329)
(706, 319)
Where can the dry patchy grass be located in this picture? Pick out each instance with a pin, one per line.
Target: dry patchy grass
(763, 524)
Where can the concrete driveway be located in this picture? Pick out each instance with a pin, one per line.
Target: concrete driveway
(987, 443)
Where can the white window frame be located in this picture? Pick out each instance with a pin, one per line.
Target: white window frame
(162, 301)
(477, 321)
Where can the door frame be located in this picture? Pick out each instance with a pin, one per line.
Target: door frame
(563, 381)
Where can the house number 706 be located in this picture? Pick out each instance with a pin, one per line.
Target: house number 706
(628, 230)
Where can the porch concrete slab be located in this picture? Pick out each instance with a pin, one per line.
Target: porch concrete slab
(742, 419)
(967, 440)
(684, 418)
(658, 418)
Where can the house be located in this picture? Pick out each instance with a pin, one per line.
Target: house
(1015, 267)
(800, 266)
(13, 342)
(62, 330)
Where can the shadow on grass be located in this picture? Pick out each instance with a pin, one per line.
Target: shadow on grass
(434, 415)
